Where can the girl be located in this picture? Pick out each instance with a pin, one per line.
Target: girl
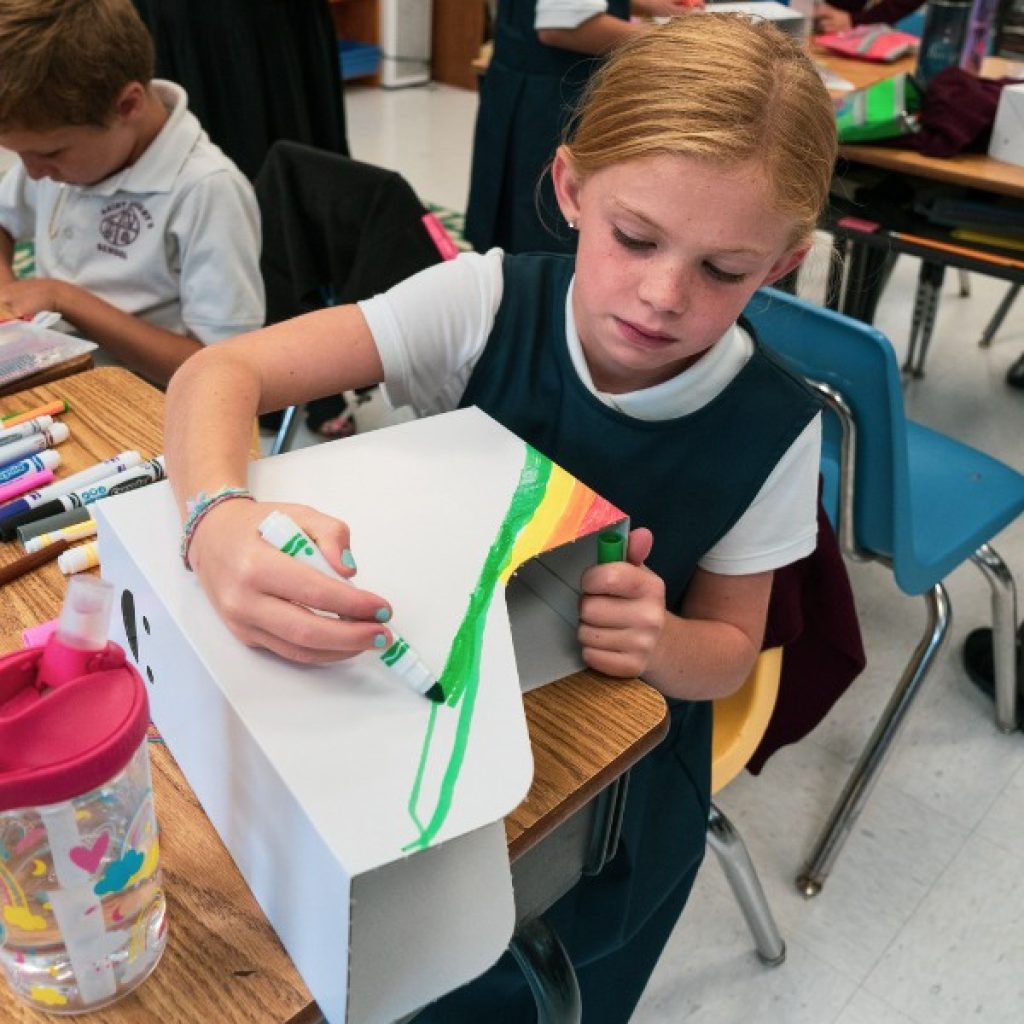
(544, 53)
(628, 367)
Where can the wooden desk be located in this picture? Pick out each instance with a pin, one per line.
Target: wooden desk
(971, 170)
(224, 962)
(868, 250)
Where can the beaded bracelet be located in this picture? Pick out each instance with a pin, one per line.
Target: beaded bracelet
(198, 507)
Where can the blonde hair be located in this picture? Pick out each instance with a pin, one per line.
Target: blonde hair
(65, 62)
(715, 87)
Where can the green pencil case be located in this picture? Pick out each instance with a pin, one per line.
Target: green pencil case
(885, 110)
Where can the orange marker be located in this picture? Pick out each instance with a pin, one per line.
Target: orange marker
(54, 408)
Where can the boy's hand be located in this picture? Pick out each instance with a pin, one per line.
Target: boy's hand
(831, 19)
(622, 611)
(34, 295)
(265, 597)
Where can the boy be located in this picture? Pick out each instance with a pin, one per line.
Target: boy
(146, 236)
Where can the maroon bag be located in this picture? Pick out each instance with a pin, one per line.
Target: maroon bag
(957, 114)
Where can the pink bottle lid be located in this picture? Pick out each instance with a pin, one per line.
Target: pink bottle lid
(62, 739)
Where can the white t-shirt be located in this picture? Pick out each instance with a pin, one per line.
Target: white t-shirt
(174, 239)
(431, 329)
(566, 13)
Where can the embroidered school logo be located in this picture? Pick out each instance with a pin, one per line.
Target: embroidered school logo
(121, 224)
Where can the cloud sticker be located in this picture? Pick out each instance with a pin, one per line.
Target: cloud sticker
(119, 873)
(47, 996)
(23, 918)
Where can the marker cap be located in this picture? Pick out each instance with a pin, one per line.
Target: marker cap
(611, 547)
(78, 559)
(58, 433)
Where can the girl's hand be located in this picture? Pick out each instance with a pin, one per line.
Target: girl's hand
(265, 597)
(622, 612)
(831, 19)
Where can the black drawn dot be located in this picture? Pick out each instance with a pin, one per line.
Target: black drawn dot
(145, 625)
(149, 674)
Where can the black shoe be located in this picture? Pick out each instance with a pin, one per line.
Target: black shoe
(1015, 374)
(979, 662)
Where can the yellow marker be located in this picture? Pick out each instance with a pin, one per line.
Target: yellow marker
(85, 556)
(78, 531)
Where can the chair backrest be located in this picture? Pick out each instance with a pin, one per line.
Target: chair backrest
(740, 720)
(858, 362)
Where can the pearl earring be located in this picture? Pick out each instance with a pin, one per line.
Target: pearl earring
(572, 224)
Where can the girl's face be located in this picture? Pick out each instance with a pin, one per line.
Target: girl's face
(670, 250)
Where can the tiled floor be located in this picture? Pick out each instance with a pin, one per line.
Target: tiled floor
(922, 921)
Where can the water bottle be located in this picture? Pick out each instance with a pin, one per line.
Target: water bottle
(82, 912)
(943, 38)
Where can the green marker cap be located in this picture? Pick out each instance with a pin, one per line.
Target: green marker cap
(611, 547)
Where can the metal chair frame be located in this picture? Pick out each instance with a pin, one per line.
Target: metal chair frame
(1004, 616)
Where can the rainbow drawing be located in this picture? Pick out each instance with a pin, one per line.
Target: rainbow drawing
(549, 508)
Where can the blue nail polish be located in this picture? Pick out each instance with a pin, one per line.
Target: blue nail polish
(380, 640)
(382, 615)
(347, 560)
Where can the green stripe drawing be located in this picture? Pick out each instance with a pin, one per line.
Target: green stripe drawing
(460, 678)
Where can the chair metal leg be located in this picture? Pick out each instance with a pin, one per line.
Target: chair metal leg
(965, 284)
(746, 887)
(548, 971)
(999, 316)
(1004, 634)
(285, 433)
(858, 786)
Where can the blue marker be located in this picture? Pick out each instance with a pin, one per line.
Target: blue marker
(48, 459)
(116, 483)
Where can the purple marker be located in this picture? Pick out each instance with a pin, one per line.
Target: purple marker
(34, 443)
(12, 434)
(32, 464)
(109, 467)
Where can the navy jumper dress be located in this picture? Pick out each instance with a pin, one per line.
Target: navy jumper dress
(689, 480)
(526, 98)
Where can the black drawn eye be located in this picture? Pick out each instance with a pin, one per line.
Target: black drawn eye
(131, 629)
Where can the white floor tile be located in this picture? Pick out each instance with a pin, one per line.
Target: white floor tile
(865, 1008)
(710, 974)
(961, 956)
(893, 856)
(1003, 825)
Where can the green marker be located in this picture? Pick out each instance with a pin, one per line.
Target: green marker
(282, 531)
(611, 547)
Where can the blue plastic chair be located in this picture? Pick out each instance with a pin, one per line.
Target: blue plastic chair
(902, 494)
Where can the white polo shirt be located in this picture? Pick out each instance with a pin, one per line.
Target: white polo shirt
(173, 239)
(431, 330)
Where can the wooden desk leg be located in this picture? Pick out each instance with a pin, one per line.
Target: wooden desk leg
(548, 971)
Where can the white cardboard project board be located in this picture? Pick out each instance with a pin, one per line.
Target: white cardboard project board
(366, 819)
